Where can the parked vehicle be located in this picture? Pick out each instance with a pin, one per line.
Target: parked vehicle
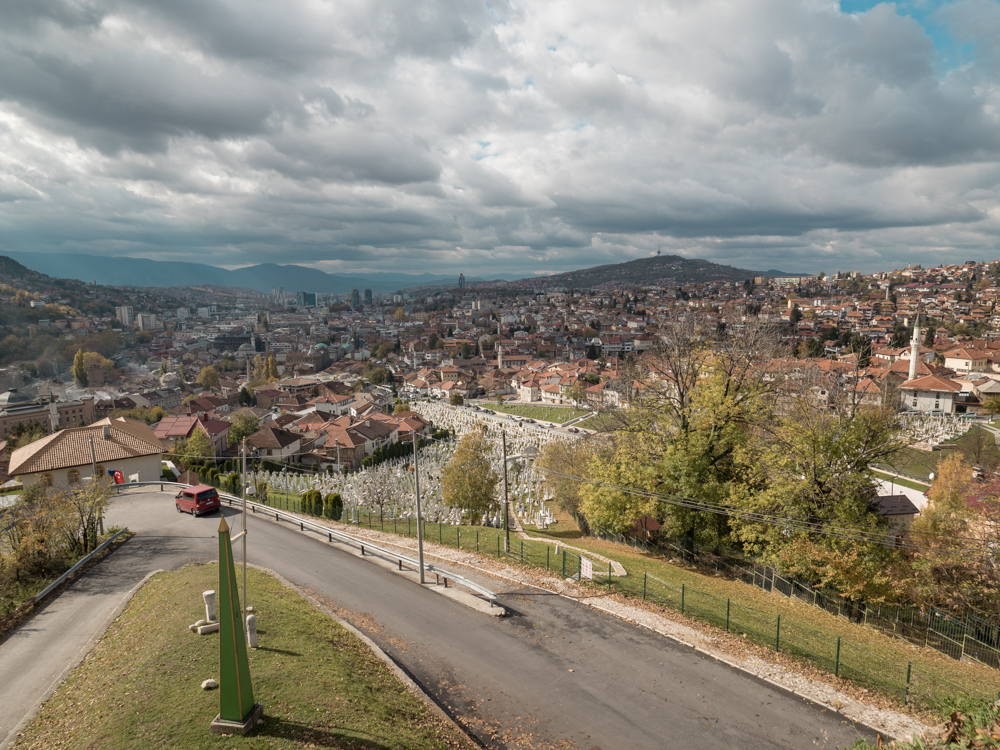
(197, 500)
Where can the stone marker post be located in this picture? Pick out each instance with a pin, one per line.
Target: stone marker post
(209, 597)
(238, 713)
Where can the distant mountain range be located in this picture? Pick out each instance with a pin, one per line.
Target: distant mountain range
(262, 278)
(665, 270)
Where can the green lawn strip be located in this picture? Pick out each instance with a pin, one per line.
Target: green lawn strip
(902, 482)
(557, 414)
(596, 422)
(920, 463)
(872, 660)
(320, 685)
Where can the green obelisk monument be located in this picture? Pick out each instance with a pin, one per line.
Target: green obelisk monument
(238, 714)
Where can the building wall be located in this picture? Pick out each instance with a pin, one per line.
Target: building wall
(147, 467)
(926, 401)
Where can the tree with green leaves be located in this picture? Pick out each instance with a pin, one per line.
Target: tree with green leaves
(181, 375)
(813, 466)
(929, 336)
(24, 433)
(272, 367)
(456, 399)
(79, 370)
(196, 449)
(244, 423)
(208, 377)
(468, 481)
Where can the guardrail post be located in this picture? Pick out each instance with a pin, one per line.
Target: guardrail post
(330, 537)
(682, 598)
(836, 663)
(609, 576)
(522, 552)
(777, 635)
(498, 546)
(727, 614)
(906, 695)
(644, 585)
(547, 548)
(400, 564)
(362, 550)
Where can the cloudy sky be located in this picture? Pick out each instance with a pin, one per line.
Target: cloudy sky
(524, 137)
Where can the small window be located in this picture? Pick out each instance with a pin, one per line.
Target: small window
(73, 476)
(46, 480)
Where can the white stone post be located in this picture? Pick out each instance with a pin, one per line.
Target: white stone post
(209, 597)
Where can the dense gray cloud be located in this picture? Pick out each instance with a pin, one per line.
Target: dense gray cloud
(534, 137)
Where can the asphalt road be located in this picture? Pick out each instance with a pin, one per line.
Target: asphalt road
(555, 674)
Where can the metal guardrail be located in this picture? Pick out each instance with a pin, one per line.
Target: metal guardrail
(61, 579)
(332, 535)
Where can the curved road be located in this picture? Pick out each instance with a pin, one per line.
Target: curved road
(554, 674)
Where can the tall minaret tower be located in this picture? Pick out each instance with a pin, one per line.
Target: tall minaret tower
(915, 348)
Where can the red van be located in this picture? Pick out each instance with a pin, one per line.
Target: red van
(197, 500)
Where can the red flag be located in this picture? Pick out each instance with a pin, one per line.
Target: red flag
(119, 477)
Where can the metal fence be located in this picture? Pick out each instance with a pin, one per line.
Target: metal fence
(968, 638)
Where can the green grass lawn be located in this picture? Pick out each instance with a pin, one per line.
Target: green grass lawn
(557, 414)
(320, 685)
(978, 446)
(596, 422)
(901, 482)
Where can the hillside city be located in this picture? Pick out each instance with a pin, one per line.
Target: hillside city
(332, 354)
(826, 437)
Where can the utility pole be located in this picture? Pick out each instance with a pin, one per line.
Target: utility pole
(93, 477)
(244, 538)
(506, 517)
(420, 524)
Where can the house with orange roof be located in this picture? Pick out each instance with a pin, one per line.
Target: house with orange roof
(120, 449)
(930, 394)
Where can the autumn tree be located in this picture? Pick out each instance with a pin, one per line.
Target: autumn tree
(79, 370)
(208, 377)
(469, 481)
(946, 570)
(556, 458)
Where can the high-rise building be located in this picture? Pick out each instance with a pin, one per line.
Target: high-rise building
(461, 281)
(306, 299)
(125, 315)
(368, 297)
(355, 298)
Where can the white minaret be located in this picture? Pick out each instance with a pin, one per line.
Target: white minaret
(500, 357)
(915, 348)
